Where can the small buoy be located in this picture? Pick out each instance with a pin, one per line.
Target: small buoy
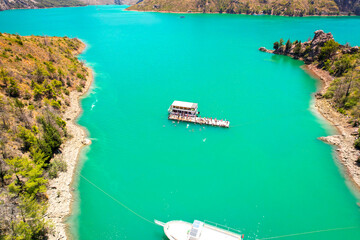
(204, 139)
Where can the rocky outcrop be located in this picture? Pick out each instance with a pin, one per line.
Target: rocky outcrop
(310, 51)
(320, 38)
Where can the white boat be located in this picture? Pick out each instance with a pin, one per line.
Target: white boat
(180, 230)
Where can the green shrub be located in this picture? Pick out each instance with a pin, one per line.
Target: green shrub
(38, 91)
(79, 75)
(28, 138)
(357, 144)
(49, 91)
(61, 123)
(55, 104)
(276, 45)
(297, 49)
(329, 94)
(288, 45)
(13, 89)
(281, 42)
(327, 65)
(328, 50)
(56, 83)
(50, 67)
(51, 138)
(53, 171)
(341, 110)
(350, 102)
(344, 64)
(41, 74)
(57, 166)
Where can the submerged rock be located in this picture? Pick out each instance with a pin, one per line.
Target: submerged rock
(86, 141)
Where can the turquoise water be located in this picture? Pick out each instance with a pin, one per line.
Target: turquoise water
(267, 175)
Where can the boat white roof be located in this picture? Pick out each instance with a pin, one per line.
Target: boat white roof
(184, 104)
(178, 230)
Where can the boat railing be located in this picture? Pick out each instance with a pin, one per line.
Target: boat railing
(222, 226)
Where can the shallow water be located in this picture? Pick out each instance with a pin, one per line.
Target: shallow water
(267, 175)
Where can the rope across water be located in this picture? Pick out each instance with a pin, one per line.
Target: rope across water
(305, 233)
(117, 201)
(150, 221)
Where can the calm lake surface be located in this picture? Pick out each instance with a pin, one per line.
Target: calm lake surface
(267, 175)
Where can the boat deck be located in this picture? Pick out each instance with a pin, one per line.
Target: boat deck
(200, 120)
(178, 230)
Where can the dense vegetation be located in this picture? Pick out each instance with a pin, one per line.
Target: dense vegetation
(341, 61)
(37, 75)
(273, 7)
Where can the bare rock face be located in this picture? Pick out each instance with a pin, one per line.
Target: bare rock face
(262, 49)
(333, 140)
(321, 38)
(11, 4)
(307, 51)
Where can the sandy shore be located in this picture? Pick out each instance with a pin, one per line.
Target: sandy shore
(344, 141)
(59, 189)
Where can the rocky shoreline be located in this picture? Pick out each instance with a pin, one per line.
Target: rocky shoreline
(347, 133)
(197, 12)
(344, 141)
(59, 189)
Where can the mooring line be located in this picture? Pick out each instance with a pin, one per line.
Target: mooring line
(304, 233)
(117, 201)
(148, 220)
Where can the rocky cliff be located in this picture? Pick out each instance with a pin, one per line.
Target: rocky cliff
(273, 7)
(349, 6)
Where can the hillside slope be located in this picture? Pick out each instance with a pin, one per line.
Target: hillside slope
(37, 77)
(16, 4)
(274, 7)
